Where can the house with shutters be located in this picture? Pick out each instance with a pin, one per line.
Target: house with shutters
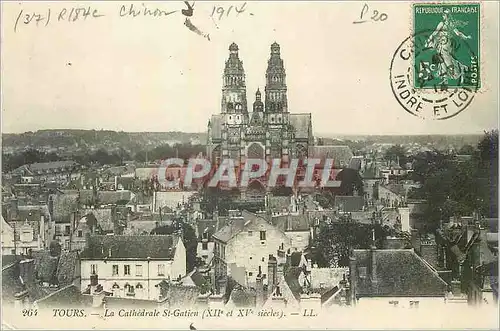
(132, 266)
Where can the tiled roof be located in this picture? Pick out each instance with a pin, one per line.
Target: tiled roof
(180, 296)
(135, 246)
(34, 167)
(63, 207)
(349, 203)
(278, 203)
(340, 154)
(10, 281)
(291, 222)
(301, 124)
(292, 280)
(68, 296)
(399, 272)
(396, 189)
(114, 197)
(61, 267)
(231, 229)
(235, 225)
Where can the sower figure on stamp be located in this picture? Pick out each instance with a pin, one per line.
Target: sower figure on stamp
(442, 41)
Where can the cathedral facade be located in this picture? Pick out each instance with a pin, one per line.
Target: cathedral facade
(266, 131)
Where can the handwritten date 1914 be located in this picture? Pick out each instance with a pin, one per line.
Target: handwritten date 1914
(376, 16)
(66, 14)
(219, 12)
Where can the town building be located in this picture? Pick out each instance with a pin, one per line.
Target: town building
(242, 248)
(132, 266)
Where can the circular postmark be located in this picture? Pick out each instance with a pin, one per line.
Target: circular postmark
(420, 76)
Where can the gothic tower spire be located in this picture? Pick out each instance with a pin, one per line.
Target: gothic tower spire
(275, 98)
(234, 98)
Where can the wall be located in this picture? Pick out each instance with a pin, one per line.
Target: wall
(209, 252)
(300, 239)
(148, 280)
(249, 251)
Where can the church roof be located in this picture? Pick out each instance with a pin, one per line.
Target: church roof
(341, 155)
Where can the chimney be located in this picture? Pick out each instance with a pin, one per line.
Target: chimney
(154, 201)
(415, 240)
(116, 183)
(14, 209)
(94, 281)
(456, 287)
(289, 222)
(272, 267)
(260, 291)
(353, 275)
(41, 232)
(373, 259)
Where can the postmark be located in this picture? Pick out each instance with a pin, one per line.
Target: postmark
(424, 76)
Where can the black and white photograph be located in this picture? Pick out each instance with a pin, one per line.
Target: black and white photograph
(231, 165)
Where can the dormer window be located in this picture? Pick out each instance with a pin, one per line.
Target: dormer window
(238, 107)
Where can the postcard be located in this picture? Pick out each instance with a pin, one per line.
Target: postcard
(263, 165)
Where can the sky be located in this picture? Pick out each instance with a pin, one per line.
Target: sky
(153, 74)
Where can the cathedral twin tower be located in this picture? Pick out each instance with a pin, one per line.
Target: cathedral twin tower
(234, 87)
(269, 131)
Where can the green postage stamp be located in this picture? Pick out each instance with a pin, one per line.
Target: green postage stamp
(448, 55)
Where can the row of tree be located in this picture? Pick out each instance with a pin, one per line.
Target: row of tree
(101, 156)
(456, 187)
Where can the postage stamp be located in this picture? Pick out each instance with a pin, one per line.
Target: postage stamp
(450, 57)
(435, 72)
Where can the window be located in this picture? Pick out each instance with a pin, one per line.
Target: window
(250, 233)
(93, 269)
(67, 229)
(138, 270)
(262, 235)
(250, 274)
(161, 270)
(205, 235)
(26, 235)
(362, 272)
(80, 233)
(130, 290)
(204, 246)
(126, 270)
(13, 251)
(115, 269)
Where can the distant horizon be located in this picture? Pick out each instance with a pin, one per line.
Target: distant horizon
(316, 134)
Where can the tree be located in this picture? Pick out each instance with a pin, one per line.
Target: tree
(335, 240)
(351, 182)
(467, 150)
(397, 153)
(188, 238)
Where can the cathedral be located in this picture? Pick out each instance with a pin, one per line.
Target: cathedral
(268, 130)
